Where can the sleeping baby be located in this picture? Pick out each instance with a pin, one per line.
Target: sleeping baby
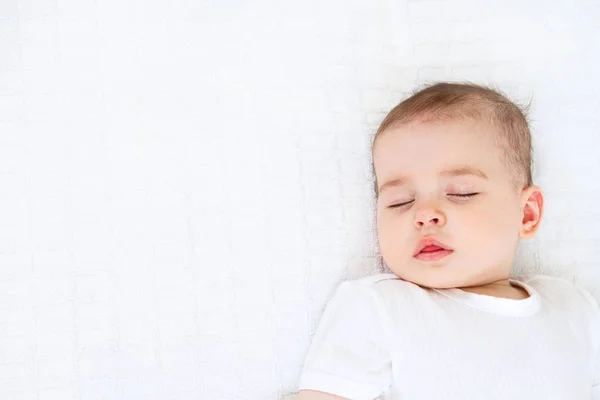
(455, 196)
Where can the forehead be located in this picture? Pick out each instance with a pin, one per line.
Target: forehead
(436, 146)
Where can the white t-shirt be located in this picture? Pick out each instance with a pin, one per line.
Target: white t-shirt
(383, 336)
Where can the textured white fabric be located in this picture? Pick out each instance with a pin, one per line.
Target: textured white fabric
(381, 335)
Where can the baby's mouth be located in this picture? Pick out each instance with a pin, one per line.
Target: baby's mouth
(430, 249)
(433, 253)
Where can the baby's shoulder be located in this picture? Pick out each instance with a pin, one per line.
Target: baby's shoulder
(386, 286)
(541, 281)
(379, 280)
(371, 280)
(561, 290)
(550, 283)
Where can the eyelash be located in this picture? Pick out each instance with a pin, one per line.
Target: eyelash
(462, 196)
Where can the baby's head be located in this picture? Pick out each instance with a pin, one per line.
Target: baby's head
(453, 163)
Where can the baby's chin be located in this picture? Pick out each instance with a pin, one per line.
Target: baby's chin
(436, 283)
(437, 276)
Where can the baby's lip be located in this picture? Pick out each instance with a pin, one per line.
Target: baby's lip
(425, 242)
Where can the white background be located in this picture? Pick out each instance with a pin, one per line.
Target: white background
(184, 183)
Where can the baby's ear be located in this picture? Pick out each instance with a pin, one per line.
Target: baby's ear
(532, 208)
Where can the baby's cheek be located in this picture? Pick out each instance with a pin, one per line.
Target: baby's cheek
(498, 230)
(391, 238)
(507, 219)
(487, 225)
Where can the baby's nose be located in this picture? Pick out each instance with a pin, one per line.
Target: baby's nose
(429, 217)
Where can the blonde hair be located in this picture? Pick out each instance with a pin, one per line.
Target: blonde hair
(451, 101)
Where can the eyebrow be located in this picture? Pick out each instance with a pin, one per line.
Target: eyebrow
(462, 170)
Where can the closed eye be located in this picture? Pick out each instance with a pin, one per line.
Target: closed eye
(463, 195)
(458, 195)
(401, 204)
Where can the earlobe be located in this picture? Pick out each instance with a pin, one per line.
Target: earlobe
(532, 206)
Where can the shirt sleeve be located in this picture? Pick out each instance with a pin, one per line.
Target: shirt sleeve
(595, 332)
(349, 355)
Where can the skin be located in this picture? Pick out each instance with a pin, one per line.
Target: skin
(483, 230)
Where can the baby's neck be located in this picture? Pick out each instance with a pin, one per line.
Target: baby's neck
(501, 288)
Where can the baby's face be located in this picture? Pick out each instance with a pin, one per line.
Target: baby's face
(437, 166)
